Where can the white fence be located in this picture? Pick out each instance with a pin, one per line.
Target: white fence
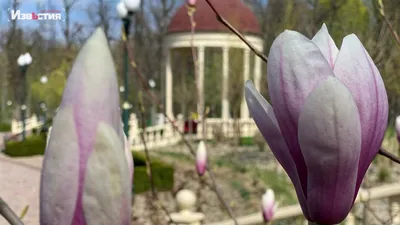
(166, 135)
(387, 191)
(30, 123)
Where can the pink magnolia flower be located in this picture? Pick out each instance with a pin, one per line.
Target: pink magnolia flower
(268, 205)
(328, 119)
(398, 127)
(85, 176)
(201, 158)
(192, 2)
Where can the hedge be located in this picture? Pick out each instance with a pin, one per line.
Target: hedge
(5, 127)
(246, 141)
(163, 174)
(33, 145)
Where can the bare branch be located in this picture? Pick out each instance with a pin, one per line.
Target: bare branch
(236, 32)
(8, 214)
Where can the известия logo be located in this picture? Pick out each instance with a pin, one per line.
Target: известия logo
(42, 15)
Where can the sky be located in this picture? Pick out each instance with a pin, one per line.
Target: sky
(78, 14)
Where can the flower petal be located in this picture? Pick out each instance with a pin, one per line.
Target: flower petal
(326, 44)
(295, 66)
(355, 68)
(129, 157)
(330, 140)
(107, 188)
(60, 173)
(92, 85)
(264, 117)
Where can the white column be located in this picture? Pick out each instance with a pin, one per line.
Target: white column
(225, 74)
(168, 84)
(350, 220)
(257, 72)
(200, 103)
(244, 111)
(395, 209)
(200, 58)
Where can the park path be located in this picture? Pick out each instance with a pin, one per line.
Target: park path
(19, 186)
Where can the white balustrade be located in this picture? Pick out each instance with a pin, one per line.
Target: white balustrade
(30, 123)
(391, 191)
(186, 201)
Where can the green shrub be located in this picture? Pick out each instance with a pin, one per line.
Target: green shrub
(5, 127)
(33, 145)
(246, 141)
(163, 174)
(383, 174)
(259, 140)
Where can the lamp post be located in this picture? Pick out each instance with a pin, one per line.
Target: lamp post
(152, 85)
(125, 10)
(43, 106)
(23, 61)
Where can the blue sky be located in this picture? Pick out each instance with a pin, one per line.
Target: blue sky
(78, 14)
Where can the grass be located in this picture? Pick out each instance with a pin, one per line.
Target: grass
(176, 155)
(279, 183)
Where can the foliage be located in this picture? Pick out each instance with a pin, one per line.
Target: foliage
(163, 174)
(259, 140)
(5, 127)
(246, 141)
(51, 92)
(33, 145)
(383, 174)
(244, 193)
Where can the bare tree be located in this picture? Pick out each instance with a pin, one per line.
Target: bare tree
(69, 31)
(102, 14)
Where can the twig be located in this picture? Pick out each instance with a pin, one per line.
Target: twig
(236, 32)
(389, 155)
(149, 168)
(388, 24)
(8, 214)
(219, 195)
(191, 11)
(155, 100)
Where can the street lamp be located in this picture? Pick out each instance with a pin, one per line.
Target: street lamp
(23, 61)
(152, 85)
(44, 80)
(125, 10)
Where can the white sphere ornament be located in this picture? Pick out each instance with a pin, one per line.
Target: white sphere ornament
(9, 102)
(132, 5)
(152, 83)
(43, 79)
(23, 107)
(122, 10)
(121, 89)
(28, 58)
(126, 105)
(21, 60)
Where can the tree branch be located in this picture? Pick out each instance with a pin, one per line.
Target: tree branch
(155, 100)
(236, 32)
(388, 24)
(389, 155)
(8, 214)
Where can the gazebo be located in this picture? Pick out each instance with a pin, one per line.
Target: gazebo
(210, 33)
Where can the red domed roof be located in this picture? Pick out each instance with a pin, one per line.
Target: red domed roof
(234, 11)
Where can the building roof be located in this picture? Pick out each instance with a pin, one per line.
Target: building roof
(234, 11)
